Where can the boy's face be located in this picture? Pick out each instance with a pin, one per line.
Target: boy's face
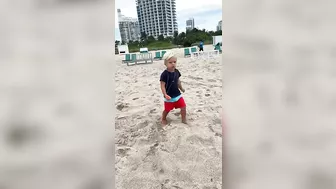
(171, 63)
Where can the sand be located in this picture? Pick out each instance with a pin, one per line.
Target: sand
(150, 156)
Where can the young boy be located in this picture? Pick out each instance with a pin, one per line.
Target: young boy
(170, 87)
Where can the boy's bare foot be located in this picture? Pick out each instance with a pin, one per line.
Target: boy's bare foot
(164, 122)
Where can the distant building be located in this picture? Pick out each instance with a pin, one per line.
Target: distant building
(157, 17)
(190, 24)
(219, 26)
(129, 28)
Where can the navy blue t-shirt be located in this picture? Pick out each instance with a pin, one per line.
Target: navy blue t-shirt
(171, 80)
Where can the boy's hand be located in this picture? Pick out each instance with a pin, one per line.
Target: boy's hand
(167, 97)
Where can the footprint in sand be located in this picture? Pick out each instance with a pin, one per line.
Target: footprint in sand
(152, 111)
(123, 151)
(211, 80)
(203, 141)
(121, 106)
(152, 151)
(174, 145)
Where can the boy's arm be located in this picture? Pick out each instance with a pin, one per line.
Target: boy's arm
(163, 84)
(180, 85)
(163, 88)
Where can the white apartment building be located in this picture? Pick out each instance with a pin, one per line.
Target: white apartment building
(190, 24)
(157, 17)
(219, 26)
(129, 28)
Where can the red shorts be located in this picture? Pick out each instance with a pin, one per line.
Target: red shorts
(168, 106)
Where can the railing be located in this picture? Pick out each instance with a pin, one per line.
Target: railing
(205, 54)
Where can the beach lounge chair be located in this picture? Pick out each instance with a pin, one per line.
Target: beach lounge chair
(162, 53)
(134, 58)
(127, 58)
(131, 58)
(186, 52)
(158, 55)
(218, 48)
(194, 52)
(193, 49)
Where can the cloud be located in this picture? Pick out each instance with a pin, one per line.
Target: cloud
(207, 14)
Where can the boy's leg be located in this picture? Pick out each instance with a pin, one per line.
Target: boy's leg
(164, 117)
(184, 115)
(168, 106)
(181, 104)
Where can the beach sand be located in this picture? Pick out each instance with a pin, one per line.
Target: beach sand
(149, 156)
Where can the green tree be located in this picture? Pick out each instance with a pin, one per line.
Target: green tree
(175, 38)
(161, 38)
(219, 32)
(211, 33)
(182, 36)
(150, 39)
(169, 39)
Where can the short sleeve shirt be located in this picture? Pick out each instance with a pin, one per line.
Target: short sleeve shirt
(171, 80)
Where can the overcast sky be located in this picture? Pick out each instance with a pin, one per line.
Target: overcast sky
(207, 13)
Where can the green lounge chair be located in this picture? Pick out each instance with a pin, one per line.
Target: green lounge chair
(186, 52)
(133, 59)
(193, 49)
(157, 55)
(163, 52)
(217, 47)
(127, 58)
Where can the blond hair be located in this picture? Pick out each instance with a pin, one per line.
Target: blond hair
(168, 55)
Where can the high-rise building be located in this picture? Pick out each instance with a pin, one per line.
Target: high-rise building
(190, 24)
(219, 26)
(157, 17)
(129, 28)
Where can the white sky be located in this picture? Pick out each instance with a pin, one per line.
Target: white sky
(207, 13)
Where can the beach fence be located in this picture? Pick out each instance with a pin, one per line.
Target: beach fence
(205, 55)
(141, 58)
